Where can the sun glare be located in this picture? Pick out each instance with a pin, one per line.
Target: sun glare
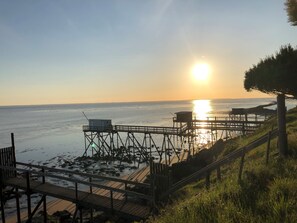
(201, 71)
(201, 108)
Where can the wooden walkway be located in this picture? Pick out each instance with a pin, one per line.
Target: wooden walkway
(61, 204)
(110, 197)
(82, 198)
(213, 123)
(114, 196)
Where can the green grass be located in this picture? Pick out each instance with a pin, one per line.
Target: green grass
(266, 193)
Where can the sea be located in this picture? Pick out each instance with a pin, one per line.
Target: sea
(44, 133)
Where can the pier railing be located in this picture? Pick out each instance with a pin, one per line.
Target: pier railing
(135, 129)
(86, 179)
(211, 123)
(146, 129)
(215, 123)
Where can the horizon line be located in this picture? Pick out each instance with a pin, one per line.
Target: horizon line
(118, 102)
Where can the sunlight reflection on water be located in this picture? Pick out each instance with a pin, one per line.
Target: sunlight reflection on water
(201, 109)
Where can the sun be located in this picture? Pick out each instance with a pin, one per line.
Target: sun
(201, 71)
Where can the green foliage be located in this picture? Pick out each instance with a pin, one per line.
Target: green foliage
(276, 74)
(291, 8)
(282, 194)
(292, 143)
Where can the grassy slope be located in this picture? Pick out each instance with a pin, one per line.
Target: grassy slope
(266, 193)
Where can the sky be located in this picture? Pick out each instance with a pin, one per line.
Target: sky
(88, 51)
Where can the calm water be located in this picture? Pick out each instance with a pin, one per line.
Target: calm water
(48, 131)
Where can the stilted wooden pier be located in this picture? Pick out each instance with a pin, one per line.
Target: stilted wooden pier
(141, 143)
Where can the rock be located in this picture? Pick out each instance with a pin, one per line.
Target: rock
(62, 215)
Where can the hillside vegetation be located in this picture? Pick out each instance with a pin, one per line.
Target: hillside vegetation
(266, 193)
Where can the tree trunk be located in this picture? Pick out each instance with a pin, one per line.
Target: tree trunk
(281, 121)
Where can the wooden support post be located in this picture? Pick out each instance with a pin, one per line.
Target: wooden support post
(207, 180)
(91, 187)
(152, 183)
(2, 204)
(76, 192)
(91, 192)
(35, 209)
(85, 153)
(28, 193)
(268, 148)
(17, 199)
(91, 215)
(219, 173)
(43, 175)
(281, 121)
(44, 209)
(80, 215)
(74, 215)
(13, 150)
(241, 166)
(125, 190)
(111, 201)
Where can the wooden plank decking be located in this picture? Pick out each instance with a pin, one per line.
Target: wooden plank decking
(84, 199)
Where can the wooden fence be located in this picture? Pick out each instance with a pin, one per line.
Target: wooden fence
(7, 158)
(239, 153)
(160, 180)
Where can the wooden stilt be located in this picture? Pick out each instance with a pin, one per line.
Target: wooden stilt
(18, 205)
(35, 209)
(44, 210)
(74, 215)
(2, 204)
(111, 201)
(80, 215)
(28, 194)
(91, 192)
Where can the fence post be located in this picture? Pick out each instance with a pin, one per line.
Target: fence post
(43, 175)
(28, 193)
(241, 166)
(207, 180)
(268, 147)
(219, 173)
(13, 150)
